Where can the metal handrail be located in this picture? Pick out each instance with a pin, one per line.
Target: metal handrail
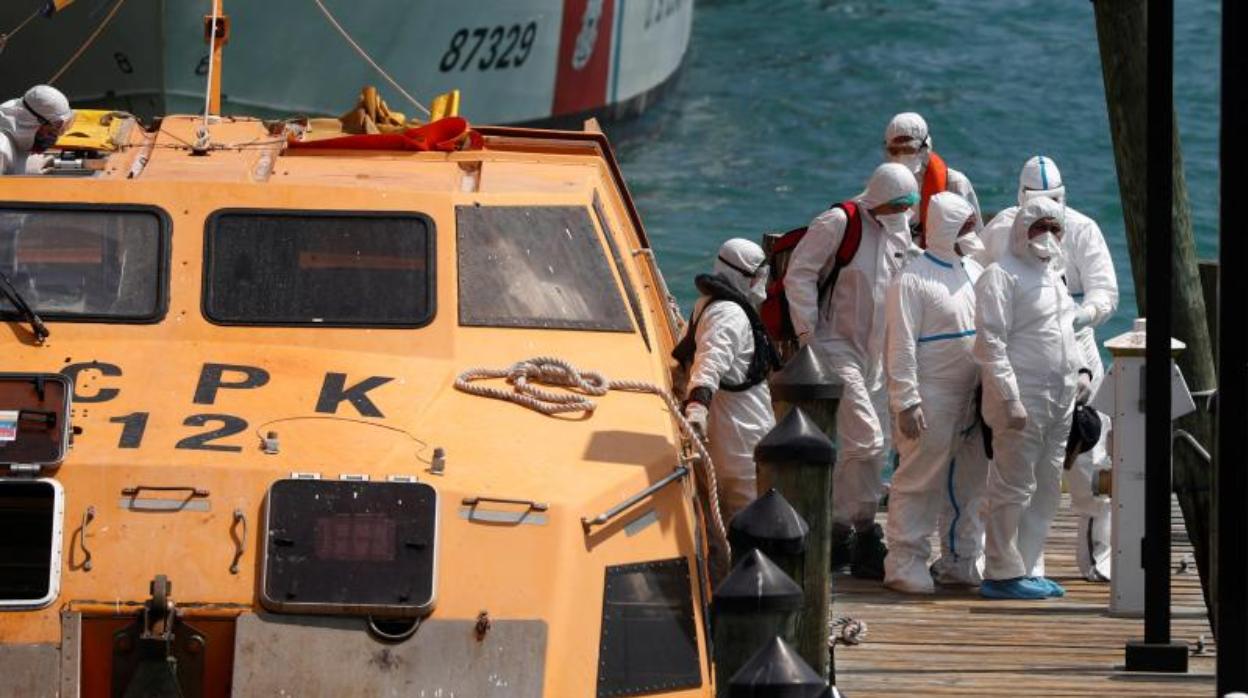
(588, 523)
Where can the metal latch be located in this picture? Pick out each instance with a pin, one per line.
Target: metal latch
(158, 654)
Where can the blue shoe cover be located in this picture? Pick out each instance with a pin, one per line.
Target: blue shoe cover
(1055, 590)
(1022, 588)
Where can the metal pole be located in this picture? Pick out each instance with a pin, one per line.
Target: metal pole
(1231, 491)
(1160, 98)
(1157, 653)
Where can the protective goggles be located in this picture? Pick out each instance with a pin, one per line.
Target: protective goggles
(904, 200)
(43, 120)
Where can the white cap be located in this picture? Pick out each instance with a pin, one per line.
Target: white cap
(906, 125)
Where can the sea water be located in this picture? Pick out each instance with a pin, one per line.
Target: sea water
(782, 105)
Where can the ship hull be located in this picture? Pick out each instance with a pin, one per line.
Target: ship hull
(523, 61)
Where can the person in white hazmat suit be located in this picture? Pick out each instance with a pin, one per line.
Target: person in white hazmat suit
(1090, 278)
(30, 124)
(727, 397)
(908, 142)
(846, 326)
(931, 385)
(1033, 371)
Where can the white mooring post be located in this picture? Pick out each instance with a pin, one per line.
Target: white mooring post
(1121, 396)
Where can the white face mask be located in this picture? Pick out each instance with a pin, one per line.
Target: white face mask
(1045, 247)
(912, 162)
(895, 223)
(758, 291)
(969, 245)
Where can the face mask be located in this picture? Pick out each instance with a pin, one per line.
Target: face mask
(895, 223)
(969, 245)
(912, 162)
(43, 141)
(758, 291)
(1045, 247)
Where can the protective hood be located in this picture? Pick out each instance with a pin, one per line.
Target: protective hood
(19, 119)
(946, 214)
(738, 263)
(890, 182)
(1040, 177)
(1035, 209)
(912, 127)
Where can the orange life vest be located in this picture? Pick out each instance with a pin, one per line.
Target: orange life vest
(935, 180)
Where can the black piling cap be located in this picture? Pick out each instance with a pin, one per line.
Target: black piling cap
(805, 376)
(769, 524)
(795, 439)
(757, 584)
(776, 671)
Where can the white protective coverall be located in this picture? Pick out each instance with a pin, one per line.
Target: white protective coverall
(1025, 345)
(19, 124)
(931, 330)
(847, 328)
(1092, 283)
(736, 421)
(914, 127)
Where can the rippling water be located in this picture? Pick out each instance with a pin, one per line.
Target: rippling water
(782, 107)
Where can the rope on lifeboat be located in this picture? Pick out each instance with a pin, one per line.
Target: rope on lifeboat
(525, 375)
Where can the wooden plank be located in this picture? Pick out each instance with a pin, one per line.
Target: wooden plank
(957, 643)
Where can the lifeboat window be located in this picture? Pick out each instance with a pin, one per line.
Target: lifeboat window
(319, 268)
(31, 512)
(535, 266)
(85, 263)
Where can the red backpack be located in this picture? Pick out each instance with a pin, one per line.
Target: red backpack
(779, 247)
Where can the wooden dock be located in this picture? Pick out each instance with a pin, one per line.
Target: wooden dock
(956, 643)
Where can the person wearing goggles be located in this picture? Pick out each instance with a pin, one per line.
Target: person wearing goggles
(30, 125)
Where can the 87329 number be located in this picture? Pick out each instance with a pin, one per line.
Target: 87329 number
(489, 48)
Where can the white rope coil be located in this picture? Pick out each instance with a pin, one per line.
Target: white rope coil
(846, 631)
(547, 370)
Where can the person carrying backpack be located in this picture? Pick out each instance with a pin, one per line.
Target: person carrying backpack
(838, 308)
(729, 357)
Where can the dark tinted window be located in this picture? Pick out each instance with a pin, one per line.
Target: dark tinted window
(27, 513)
(267, 268)
(535, 266)
(84, 263)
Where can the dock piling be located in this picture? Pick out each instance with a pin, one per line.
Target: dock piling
(756, 602)
(796, 459)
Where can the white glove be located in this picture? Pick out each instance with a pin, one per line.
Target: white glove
(696, 413)
(911, 421)
(1084, 317)
(39, 163)
(1015, 415)
(1083, 391)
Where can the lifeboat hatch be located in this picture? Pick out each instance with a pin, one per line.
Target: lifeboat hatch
(34, 420)
(350, 547)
